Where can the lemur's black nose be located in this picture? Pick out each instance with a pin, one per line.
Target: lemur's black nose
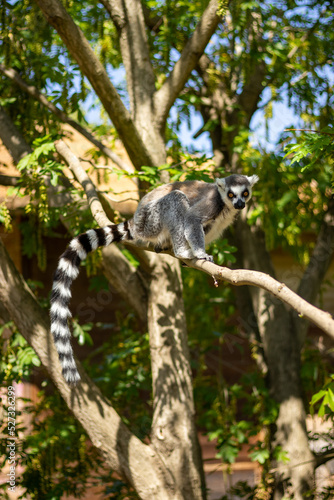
(240, 204)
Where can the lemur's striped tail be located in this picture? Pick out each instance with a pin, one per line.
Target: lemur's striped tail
(67, 271)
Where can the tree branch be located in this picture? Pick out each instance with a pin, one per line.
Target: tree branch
(236, 277)
(9, 180)
(188, 60)
(125, 453)
(36, 94)
(320, 260)
(127, 16)
(125, 278)
(308, 130)
(305, 37)
(252, 90)
(152, 21)
(247, 319)
(91, 67)
(239, 277)
(323, 458)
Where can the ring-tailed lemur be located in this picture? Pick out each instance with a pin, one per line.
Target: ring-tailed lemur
(182, 217)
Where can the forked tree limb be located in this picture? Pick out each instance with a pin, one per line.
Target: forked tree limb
(193, 50)
(79, 47)
(128, 18)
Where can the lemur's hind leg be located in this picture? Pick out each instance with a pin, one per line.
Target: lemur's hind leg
(168, 222)
(161, 221)
(185, 229)
(194, 234)
(173, 209)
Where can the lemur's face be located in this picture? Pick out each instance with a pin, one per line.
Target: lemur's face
(237, 196)
(236, 190)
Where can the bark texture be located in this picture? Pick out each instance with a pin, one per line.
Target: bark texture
(173, 428)
(190, 56)
(128, 18)
(281, 346)
(138, 463)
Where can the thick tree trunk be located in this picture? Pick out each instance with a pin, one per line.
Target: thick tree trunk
(173, 432)
(169, 468)
(295, 478)
(272, 324)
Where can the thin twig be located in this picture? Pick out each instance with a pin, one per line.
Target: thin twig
(117, 201)
(307, 130)
(300, 77)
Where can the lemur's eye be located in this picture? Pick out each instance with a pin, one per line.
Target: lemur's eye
(245, 194)
(230, 194)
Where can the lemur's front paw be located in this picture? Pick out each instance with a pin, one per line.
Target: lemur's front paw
(159, 248)
(207, 257)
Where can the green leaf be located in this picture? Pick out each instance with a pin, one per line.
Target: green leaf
(81, 333)
(330, 398)
(228, 453)
(321, 411)
(25, 162)
(260, 456)
(281, 455)
(286, 199)
(319, 395)
(36, 361)
(44, 149)
(54, 178)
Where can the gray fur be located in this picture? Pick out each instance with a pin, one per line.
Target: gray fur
(182, 217)
(186, 216)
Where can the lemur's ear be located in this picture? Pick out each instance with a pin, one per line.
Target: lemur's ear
(253, 179)
(221, 183)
